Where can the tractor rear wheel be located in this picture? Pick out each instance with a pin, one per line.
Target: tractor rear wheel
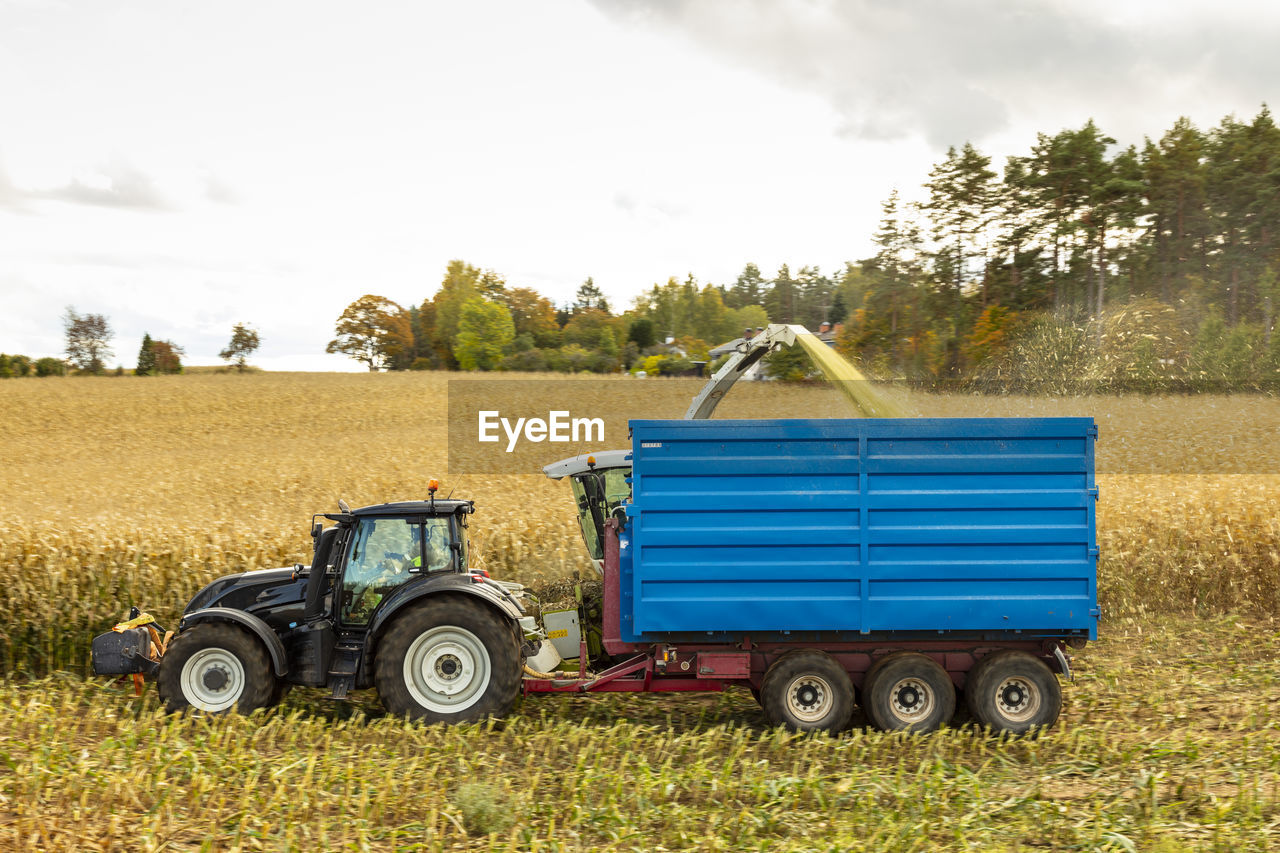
(448, 660)
(806, 690)
(215, 667)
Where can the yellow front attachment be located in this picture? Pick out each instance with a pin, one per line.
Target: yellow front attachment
(158, 644)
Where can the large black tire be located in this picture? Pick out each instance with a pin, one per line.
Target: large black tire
(448, 659)
(807, 691)
(215, 667)
(1013, 692)
(908, 691)
(278, 692)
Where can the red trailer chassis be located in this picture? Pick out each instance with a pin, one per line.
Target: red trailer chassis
(711, 666)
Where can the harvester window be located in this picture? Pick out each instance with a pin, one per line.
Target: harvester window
(598, 493)
(582, 494)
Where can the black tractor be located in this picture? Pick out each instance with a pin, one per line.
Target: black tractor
(387, 602)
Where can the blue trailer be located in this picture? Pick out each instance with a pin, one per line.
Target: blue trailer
(891, 563)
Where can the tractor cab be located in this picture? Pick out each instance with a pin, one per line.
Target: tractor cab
(386, 546)
(601, 484)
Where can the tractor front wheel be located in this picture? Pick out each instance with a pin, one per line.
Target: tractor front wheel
(215, 667)
(448, 660)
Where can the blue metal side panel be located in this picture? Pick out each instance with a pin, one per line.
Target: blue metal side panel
(974, 525)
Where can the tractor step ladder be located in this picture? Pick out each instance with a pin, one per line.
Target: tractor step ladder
(346, 662)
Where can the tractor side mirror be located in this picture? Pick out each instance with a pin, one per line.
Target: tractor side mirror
(316, 529)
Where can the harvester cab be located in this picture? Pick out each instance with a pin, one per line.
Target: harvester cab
(388, 601)
(601, 485)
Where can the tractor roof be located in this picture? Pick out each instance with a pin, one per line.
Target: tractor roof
(440, 506)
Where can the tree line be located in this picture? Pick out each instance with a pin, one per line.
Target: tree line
(88, 347)
(475, 321)
(1151, 266)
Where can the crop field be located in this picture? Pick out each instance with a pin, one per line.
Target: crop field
(141, 490)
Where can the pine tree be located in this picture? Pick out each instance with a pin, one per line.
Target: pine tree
(749, 289)
(590, 296)
(780, 301)
(894, 314)
(1177, 203)
(1241, 189)
(838, 312)
(962, 202)
(813, 297)
(146, 357)
(1016, 241)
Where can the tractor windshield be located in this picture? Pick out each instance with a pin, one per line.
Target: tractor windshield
(598, 494)
(387, 552)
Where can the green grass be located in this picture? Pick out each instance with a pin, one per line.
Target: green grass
(1170, 740)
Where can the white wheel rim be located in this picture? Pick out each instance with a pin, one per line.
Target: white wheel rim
(809, 698)
(213, 680)
(912, 700)
(1018, 699)
(447, 669)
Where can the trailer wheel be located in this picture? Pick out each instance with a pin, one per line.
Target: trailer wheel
(806, 691)
(215, 667)
(908, 691)
(1013, 692)
(448, 660)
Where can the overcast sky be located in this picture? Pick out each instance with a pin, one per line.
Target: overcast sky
(180, 166)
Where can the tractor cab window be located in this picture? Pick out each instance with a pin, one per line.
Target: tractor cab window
(387, 552)
(598, 494)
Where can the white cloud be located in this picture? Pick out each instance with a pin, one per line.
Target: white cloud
(956, 72)
(118, 185)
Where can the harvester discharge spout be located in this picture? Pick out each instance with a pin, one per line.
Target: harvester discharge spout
(867, 402)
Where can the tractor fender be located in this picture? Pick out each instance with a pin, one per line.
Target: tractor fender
(490, 595)
(279, 660)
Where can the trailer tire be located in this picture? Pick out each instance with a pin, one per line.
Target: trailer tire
(908, 692)
(448, 659)
(806, 691)
(215, 667)
(1011, 691)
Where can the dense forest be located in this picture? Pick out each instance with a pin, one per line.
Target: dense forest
(1080, 262)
